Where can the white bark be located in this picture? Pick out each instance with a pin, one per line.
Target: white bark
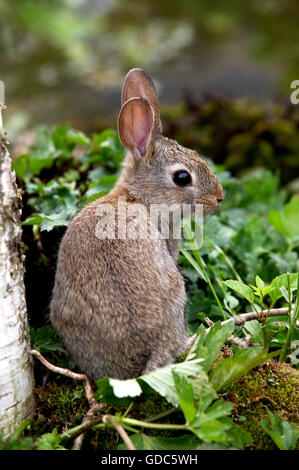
(16, 373)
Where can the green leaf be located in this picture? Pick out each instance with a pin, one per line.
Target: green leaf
(45, 339)
(254, 328)
(212, 430)
(194, 263)
(162, 381)
(93, 197)
(78, 138)
(21, 166)
(276, 219)
(219, 409)
(50, 441)
(62, 219)
(282, 281)
(259, 283)
(285, 294)
(266, 290)
(237, 436)
(186, 396)
(241, 288)
(208, 346)
(287, 223)
(290, 435)
(283, 434)
(21, 444)
(236, 366)
(34, 219)
(230, 301)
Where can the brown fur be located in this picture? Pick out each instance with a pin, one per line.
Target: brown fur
(119, 304)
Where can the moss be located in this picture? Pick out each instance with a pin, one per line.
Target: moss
(59, 406)
(272, 385)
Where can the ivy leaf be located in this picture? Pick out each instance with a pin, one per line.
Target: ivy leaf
(62, 219)
(34, 219)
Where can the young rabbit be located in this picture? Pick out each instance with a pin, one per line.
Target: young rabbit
(118, 303)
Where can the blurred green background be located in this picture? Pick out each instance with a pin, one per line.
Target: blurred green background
(222, 69)
(66, 59)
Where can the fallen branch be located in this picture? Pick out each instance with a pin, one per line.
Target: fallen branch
(241, 343)
(68, 373)
(244, 317)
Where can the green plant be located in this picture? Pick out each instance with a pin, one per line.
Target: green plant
(281, 432)
(55, 201)
(281, 286)
(46, 340)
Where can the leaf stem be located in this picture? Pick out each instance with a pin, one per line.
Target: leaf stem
(228, 261)
(292, 325)
(202, 270)
(145, 424)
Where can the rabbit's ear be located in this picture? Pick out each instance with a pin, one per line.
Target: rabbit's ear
(136, 124)
(138, 83)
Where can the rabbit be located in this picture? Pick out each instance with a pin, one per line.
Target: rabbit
(118, 303)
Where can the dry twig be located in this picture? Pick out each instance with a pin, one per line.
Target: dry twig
(244, 317)
(88, 421)
(68, 373)
(120, 431)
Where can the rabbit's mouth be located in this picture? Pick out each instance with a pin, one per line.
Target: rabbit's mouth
(211, 203)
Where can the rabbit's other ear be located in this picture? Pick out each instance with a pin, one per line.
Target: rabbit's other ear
(136, 124)
(138, 83)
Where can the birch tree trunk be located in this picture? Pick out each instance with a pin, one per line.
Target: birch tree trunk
(16, 373)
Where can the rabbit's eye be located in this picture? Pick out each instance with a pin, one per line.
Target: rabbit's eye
(182, 178)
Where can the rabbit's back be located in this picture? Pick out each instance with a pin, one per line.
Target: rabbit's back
(117, 303)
